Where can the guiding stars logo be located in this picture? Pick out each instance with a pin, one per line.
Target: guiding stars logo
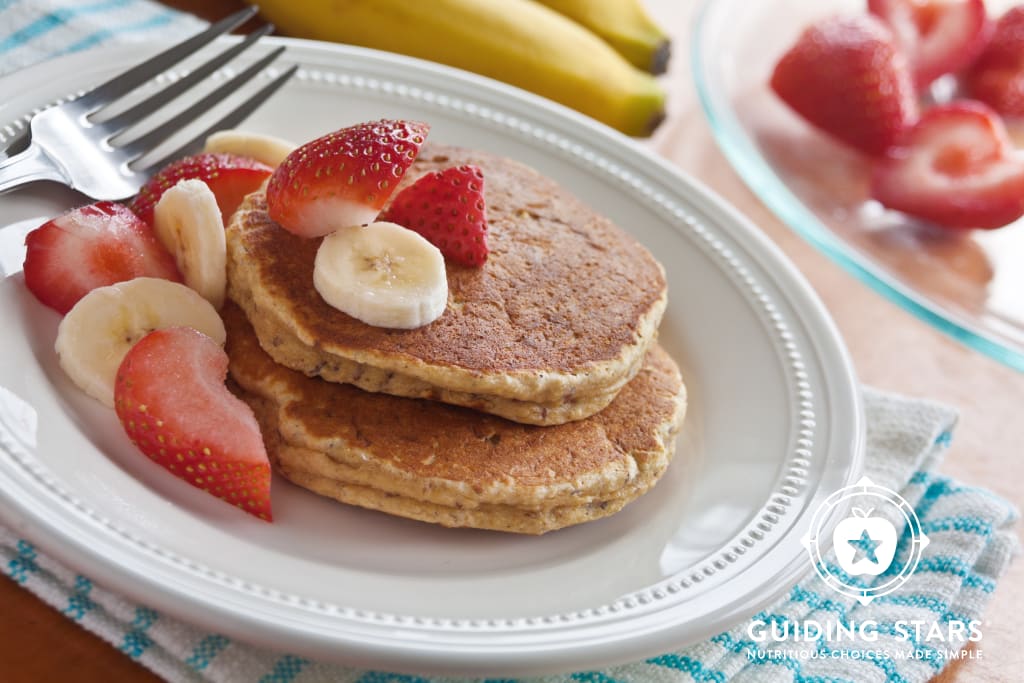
(865, 541)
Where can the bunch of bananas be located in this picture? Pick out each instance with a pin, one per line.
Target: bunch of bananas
(596, 56)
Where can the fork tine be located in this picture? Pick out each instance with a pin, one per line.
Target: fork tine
(143, 109)
(137, 75)
(230, 120)
(150, 139)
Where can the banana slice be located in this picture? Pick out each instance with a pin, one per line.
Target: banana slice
(265, 148)
(97, 332)
(382, 274)
(188, 222)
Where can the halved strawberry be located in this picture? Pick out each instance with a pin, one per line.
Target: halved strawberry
(230, 177)
(956, 168)
(938, 36)
(997, 76)
(447, 207)
(172, 402)
(845, 76)
(89, 247)
(343, 178)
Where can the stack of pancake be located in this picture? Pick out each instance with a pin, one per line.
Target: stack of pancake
(538, 400)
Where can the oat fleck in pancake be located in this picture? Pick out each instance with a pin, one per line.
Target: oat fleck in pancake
(549, 330)
(453, 466)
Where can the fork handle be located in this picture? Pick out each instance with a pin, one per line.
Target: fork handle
(28, 166)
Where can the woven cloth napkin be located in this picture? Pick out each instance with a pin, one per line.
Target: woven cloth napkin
(972, 539)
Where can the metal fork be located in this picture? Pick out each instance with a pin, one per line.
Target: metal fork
(73, 145)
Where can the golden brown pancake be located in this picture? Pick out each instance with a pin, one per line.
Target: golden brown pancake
(549, 330)
(454, 466)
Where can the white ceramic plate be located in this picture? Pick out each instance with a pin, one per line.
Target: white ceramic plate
(774, 427)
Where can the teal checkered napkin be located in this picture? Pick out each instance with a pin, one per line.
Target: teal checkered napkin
(34, 30)
(972, 543)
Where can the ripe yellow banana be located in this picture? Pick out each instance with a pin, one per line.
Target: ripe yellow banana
(517, 41)
(625, 25)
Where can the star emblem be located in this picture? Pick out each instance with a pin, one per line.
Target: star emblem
(865, 546)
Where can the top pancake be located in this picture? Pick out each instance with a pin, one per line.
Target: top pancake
(547, 331)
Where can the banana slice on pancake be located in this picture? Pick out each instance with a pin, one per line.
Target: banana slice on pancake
(382, 274)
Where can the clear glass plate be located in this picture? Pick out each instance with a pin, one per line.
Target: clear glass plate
(969, 285)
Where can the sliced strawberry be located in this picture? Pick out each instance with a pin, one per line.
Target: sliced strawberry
(938, 36)
(89, 247)
(956, 168)
(343, 178)
(997, 76)
(845, 76)
(446, 207)
(230, 177)
(172, 402)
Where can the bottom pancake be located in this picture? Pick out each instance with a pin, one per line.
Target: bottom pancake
(454, 466)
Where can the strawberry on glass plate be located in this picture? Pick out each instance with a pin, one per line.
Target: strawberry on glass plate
(923, 206)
